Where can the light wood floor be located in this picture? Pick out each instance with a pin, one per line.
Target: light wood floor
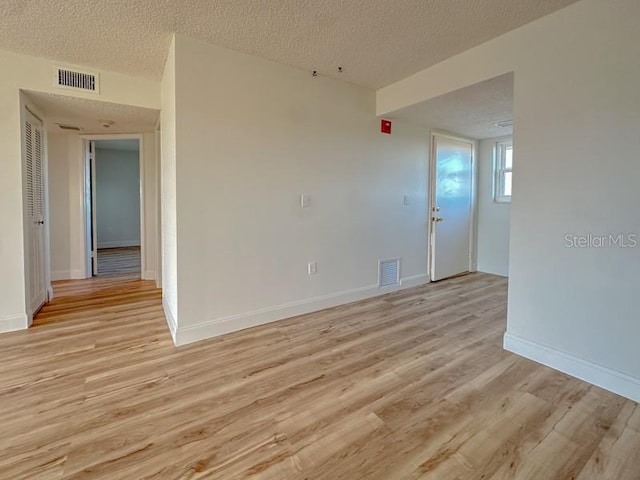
(413, 385)
(119, 261)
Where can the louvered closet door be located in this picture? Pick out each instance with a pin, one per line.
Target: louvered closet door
(34, 153)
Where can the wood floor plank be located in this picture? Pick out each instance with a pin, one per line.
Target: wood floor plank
(411, 385)
(119, 261)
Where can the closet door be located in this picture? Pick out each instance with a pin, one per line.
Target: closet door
(34, 157)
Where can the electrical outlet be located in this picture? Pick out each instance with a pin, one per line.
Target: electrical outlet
(312, 268)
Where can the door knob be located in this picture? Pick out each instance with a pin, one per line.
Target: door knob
(437, 219)
(40, 222)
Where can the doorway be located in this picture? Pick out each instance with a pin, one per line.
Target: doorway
(451, 206)
(481, 117)
(114, 201)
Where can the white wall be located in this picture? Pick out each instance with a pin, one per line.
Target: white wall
(151, 171)
(169, 241)
(157, 201)
(252, 135)
(117, 198)
(59, 190)
(12, 275)
(65, 156)
(577, 124)
(493, 220)
(32, 73)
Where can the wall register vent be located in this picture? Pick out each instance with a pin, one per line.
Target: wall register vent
(389, 272)
(86, 81)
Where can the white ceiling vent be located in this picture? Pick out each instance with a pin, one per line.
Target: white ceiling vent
(77, 80)
(389, 272)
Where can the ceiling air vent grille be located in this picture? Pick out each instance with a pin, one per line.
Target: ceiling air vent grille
(86, 81)
(389, 272)
(64, 126)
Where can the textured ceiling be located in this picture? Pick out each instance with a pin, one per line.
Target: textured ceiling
(87, 114)
(377, 42)
(472, 111)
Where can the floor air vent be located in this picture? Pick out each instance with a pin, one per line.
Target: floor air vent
(66, 78)
(389, 272)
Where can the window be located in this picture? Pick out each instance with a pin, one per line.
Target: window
(503, 164)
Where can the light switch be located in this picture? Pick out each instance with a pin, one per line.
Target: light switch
(312, 268)
(405, 200)
(305, 200)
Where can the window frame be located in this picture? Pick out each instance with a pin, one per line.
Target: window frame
(500, 170)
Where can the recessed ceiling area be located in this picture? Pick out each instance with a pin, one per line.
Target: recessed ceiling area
(90, 115)
(377, 42)
(472, 111)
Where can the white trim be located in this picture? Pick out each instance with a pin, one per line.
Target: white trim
(93, 165)
(120, 243)
(60, 275)
(599, 375)
(171, 322)
(88, 228)
(414, 280)
(13, 323)
(232, 323)
(67, 275)
(76, 275)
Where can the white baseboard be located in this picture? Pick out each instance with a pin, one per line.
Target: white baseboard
(232, 323)
(67, 275)
(171, 322)
(119, 243)
(593, 373)
(13, 323)
(408, 282)
(149, 275)
(60, 275)
(77, 275)
(493, 272)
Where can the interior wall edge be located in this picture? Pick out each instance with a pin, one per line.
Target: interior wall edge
(171, 322)
(598, 375)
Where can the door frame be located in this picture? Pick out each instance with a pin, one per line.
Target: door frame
(473, 261)
(29, 109)
(92, 226)
(85, 195)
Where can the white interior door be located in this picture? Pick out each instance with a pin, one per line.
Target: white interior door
(34, 158)
(451, 207)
